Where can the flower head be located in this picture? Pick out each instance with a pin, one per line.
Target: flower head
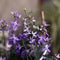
(57, 55)
(15, 25)
(14, 38)
(34, 34)
(17, 14)
(46, 48)
(44, 24)
(3, 25)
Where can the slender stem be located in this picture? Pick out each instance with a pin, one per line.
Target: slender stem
(36, 51)
(3, 37)
(25, 49)
(43, 19)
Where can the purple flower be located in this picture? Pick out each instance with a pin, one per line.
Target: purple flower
(23, 36)
(18, 47)
(14, 38)
(45, 29)
(57, 55)
(41, 39)
(23, 53)
(32, 41)
(26, 29)
(33, 20)
(47, 39)
(34, 34)
(26, 41)
(26, 26)
(8, 45)
(15, 25)
(46, 48)
(17, 14)
(44, 24)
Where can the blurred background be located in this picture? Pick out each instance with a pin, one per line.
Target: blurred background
(52, 16)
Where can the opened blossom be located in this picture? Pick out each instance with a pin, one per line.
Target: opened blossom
(13, 38)
(46, 48)
(15, 25)
(45, 24)
(57, 56)
(16, 13)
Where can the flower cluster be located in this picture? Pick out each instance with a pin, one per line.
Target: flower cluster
(32, 38)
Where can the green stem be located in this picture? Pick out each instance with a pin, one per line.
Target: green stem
(3, 38)
(25, 49)
(36, 54)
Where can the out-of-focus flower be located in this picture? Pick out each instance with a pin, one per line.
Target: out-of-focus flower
(18, 47)
(45, 29)
(32, 41)
(23, 53)
(41, 39)
(35, 27)
(25, 19)
(0, 58)
(15, 25)
(3, 25)
(33, 20)
(46, 48)
(57, 55)
(22, 36)
(26, 26)
(34, 34)
(14, 38)
(44, 24)
(17, 14)
(8, 45)
(26, 29)
(25, 42)
(47, 39)
(39, 28)
(25, 23)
